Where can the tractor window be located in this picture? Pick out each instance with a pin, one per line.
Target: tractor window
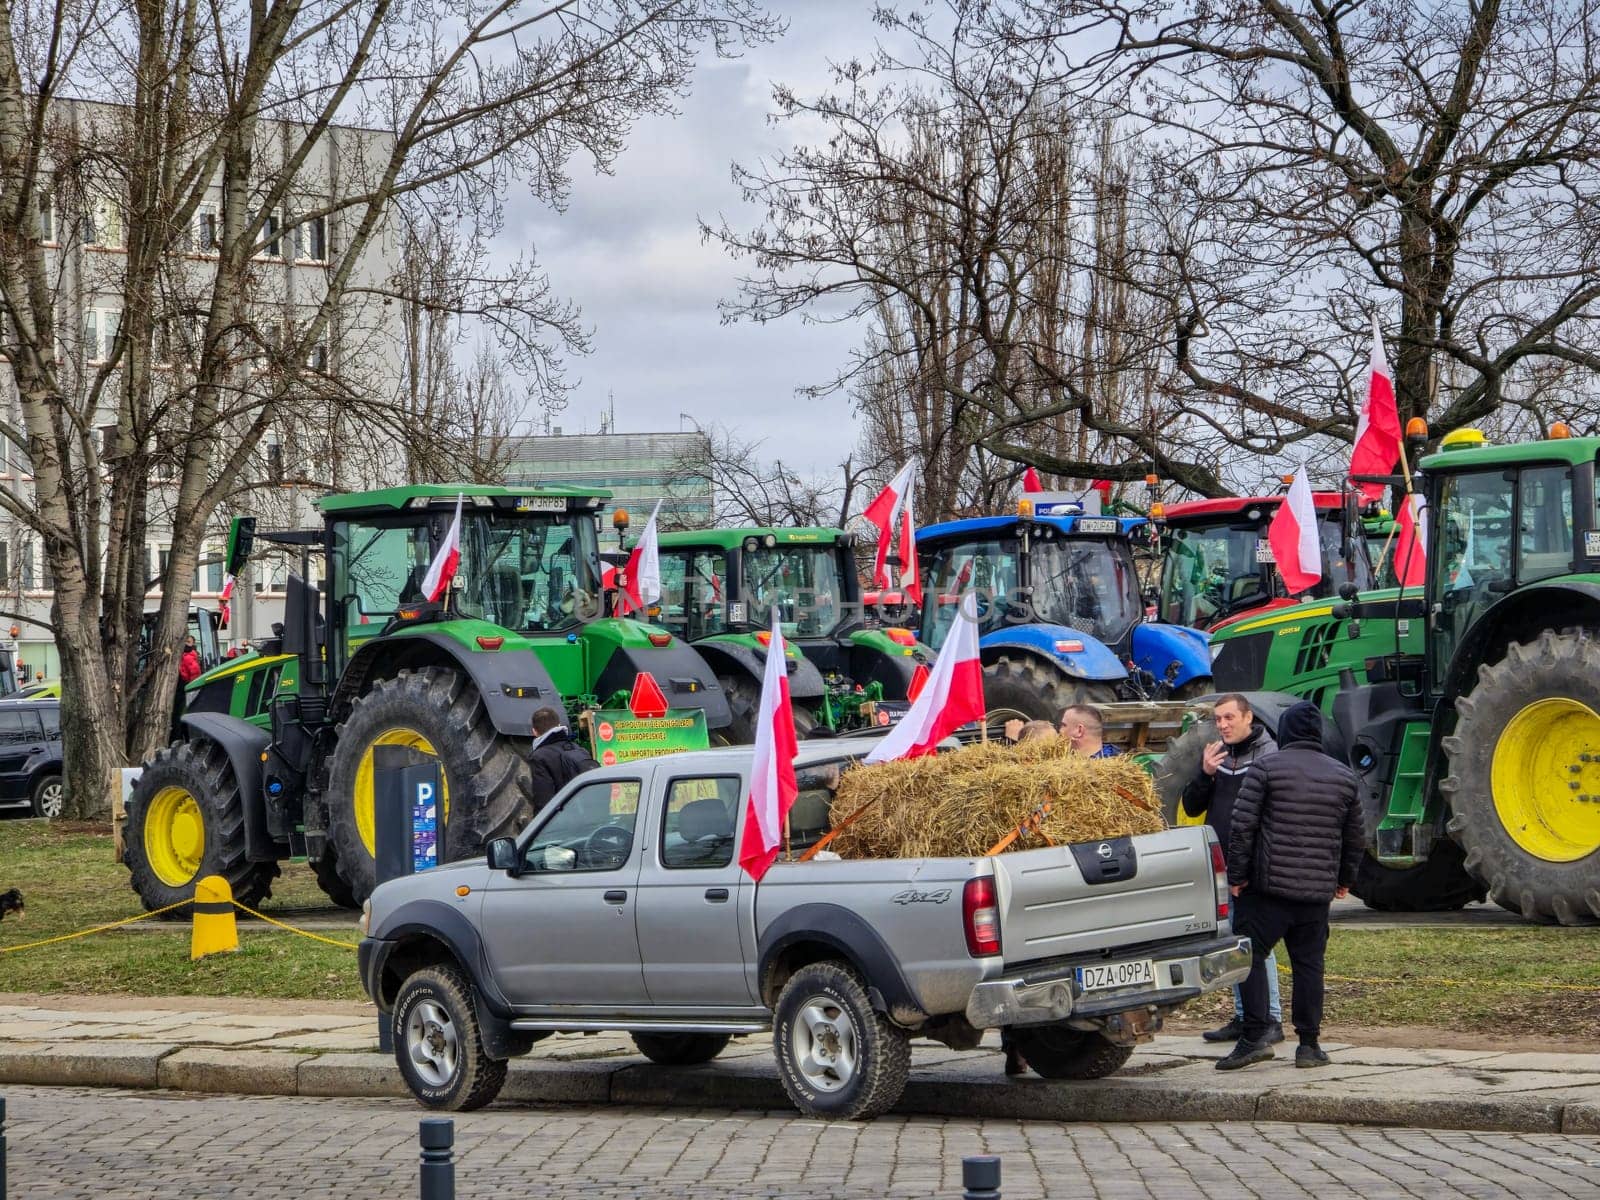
(990, 568)
(378, 567)
(1207, 573)
(1472, 566)
(1089, 585)
(692, 599)
(528, 571)
(802, 582)
(1544, 523)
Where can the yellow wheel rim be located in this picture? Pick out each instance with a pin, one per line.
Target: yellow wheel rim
(1185, 819)
(365, 805)
(174, 836)
(1546, 779)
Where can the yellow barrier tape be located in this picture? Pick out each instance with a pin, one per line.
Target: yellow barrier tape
(315, 937)
(67, 937)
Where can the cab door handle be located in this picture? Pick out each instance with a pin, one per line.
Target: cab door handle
(617, 896)
(717, 895)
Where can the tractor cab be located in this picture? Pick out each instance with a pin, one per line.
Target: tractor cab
(1217, 566)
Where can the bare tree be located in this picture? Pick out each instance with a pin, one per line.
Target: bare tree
(747, 489)
(298, 119)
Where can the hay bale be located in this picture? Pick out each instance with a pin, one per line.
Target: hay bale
(960, 804)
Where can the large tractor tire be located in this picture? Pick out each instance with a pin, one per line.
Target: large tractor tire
(1439, 884)
(1030, 690)
(1523, 779)
(186, 821)
(1178, 766)
(744, 703)
(326, 868)
(436, 711)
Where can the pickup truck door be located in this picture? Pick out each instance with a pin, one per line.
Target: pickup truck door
(696, 926)
(561, 930)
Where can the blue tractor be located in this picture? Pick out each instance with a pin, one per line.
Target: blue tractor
(1061, 609)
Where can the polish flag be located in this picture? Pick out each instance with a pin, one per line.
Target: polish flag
(1293, 537)
(227, 588)
(225, 610)
(952, 697)
(1031, 481)
(443, 567)
(772, 782)
(1378, 432)
(910, 583)
(883, 512)
(1411, 541)
(643, 582)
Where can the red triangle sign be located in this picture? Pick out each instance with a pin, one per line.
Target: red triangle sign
(647, 699)
(919, 680)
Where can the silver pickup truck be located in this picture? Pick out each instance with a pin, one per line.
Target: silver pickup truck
(622, 906)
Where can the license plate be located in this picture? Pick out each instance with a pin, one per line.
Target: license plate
(542, 504)
(1097, 525)
(1116, 975)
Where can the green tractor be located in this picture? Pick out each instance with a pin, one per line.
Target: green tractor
(719, 587)
(1470, 709)
(274, 753)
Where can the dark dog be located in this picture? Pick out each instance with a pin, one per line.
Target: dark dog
(11, 902)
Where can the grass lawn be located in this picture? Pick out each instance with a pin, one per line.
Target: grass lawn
(70, 882)
(1501, 979)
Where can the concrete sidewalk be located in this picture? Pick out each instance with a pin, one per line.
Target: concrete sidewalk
(282, 1052)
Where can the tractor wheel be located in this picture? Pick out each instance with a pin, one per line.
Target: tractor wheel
(186, 821)
(1178, 766)
(1201, 685)
(1523, 779)
(744, 702)
(436, 711)
(1026, 689)
(326, 868)
(1439, 884)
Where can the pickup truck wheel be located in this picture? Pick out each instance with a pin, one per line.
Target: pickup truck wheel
(837, 1056)
(1057, 1052)
(437, 1043)
(681, 1049)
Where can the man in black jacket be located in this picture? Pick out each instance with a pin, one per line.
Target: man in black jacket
(1294, 847)
(1211, 794)
(556, 759)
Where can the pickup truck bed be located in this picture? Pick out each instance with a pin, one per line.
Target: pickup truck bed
(622, 906)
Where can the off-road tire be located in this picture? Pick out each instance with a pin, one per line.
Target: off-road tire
(476, 1079)
(326, 868)
(681, 1049)
(883, 1049)
(1034, 691)
(1553, 666)
(1439, 884)
(1057, 1052)
(202, 769)
(45, 796)
(744, 705)
(486, 777)
(1180, 764)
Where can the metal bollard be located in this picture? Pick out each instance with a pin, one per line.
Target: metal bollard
(438, 1137)
(980, 1177)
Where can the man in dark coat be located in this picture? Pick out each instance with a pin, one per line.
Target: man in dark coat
(556, 758)
(1294, 847)
(1211, 794)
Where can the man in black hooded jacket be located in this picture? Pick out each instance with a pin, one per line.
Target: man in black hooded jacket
(556, 759)
(1294, 847)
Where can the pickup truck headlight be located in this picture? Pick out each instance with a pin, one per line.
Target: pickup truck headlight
(366, 917)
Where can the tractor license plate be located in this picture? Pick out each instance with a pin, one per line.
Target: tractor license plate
(1116, 975)
(1097, 525)
(556, 504)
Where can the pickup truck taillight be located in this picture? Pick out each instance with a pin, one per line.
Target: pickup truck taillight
(980, 914)
(1219, 874)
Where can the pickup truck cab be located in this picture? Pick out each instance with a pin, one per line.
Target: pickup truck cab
(622, 906)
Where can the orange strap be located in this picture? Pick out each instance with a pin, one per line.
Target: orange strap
(1030, 824)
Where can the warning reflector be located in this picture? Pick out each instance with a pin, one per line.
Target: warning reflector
(647, 699)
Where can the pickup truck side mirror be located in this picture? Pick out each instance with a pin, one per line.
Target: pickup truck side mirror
(503, 855)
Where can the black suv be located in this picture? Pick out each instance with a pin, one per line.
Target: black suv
(30, 756)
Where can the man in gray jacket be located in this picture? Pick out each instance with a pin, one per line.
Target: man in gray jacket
(1295, 845)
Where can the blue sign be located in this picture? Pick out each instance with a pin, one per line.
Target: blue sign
(424, 827)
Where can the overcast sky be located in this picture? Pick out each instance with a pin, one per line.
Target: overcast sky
(628, 250)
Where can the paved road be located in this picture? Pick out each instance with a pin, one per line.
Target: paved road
(68, 1144)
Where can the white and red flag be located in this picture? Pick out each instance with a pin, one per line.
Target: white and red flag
(643, 582)
(1293, 537)
(772, 782)
(443, 567)
(1378, 431)
(893, 512)
(1031, 481)
(951, 698)
(1411, 541)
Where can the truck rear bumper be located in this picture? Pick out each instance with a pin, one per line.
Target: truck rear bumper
(1183, 971)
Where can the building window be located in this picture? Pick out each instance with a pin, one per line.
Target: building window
(25, 563)
(100, 332)
(317, 359)
(47, 218)
(271, 231)
(311, 240)
(205, 229)
(102, 222)
(5, 565)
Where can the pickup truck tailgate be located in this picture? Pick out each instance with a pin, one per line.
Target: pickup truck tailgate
(1100, 895)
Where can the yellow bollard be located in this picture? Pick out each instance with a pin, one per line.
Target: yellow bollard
(214, 927)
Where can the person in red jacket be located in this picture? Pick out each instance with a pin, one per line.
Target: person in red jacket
(189, 663)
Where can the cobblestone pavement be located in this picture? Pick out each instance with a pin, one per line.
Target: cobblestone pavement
(68, 1143)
